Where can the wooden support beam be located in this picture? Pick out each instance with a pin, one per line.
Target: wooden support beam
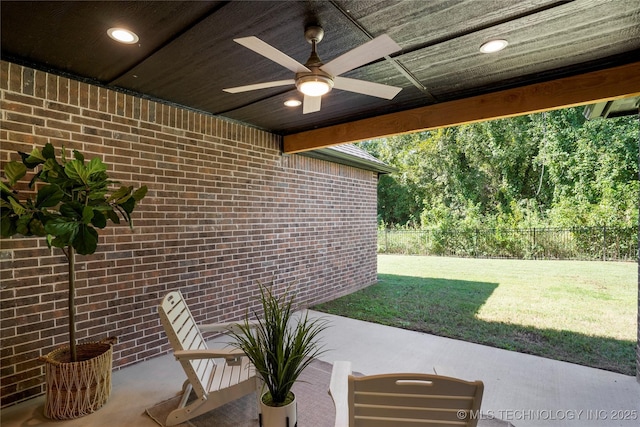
(612, 83)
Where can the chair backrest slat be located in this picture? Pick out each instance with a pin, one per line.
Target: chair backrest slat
(183, 334)
(413, 399)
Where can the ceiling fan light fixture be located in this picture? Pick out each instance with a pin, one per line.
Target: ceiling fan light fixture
(315, 79)
(314, 85)
(123, 35)
(493, 46)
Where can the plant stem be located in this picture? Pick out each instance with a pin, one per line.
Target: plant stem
(71, 257)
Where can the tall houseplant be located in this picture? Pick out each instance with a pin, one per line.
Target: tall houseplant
(279, 346)
(64, 201)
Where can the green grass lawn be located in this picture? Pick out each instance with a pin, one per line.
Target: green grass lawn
(582, 312)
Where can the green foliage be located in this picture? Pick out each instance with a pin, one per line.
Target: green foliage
(396, 201)
(279, 347)
(65, 201)
(576, 243)
(71, 200)
(551, 169)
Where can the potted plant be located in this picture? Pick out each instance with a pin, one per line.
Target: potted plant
(65, 201)
(280, 348)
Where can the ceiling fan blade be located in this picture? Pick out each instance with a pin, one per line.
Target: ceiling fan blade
(257, 86)
(270, 52)
(311, 104)
(366, 88)
(370, 51)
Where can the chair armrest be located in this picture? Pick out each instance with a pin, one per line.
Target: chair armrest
(232, 355)
(339, 391)
(225, 327)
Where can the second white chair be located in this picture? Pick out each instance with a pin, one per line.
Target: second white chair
(399, 400)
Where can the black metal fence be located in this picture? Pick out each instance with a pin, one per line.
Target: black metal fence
(577, 243)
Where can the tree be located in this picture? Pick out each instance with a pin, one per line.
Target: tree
(552, 168)
(71, 201)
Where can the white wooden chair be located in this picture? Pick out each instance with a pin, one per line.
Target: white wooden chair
(217, 376)
(399, 400)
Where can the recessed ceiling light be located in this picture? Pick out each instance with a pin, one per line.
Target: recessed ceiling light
(493, 46)
(292, 103)
(123, 36)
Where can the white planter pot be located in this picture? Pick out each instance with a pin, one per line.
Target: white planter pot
(279, 416)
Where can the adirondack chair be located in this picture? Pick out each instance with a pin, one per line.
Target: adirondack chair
(399, 400)
(217, 376)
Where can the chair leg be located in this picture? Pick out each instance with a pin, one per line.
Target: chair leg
(182, 414)
(185, 394)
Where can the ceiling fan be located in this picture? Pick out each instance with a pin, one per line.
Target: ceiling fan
(314, 78)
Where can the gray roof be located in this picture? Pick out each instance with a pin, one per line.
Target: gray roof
(613, 108)
(350, 155)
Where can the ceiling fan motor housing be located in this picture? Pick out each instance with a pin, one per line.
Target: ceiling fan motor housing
(316, 80)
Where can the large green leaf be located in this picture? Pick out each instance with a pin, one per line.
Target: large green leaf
(63, 229)
(32, 159)
(87, 215)
(78, 156)
(48, 152)
(77, 171)
(97, 195)
(99, 220)
(14, 171)
(95, 166)
(17, 207)
(113, 216)
(49, 196)
(52, 168)
(34, 179)
(128, 205)
(86, 240)
(6, 190)
(36, 227)
(140, 193)
(58, 242)
(7, 224)
(72, 210)
(22, 225)
(121, 194)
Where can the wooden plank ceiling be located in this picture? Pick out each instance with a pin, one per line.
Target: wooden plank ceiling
(186, 56)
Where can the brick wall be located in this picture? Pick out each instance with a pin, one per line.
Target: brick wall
(225, 209)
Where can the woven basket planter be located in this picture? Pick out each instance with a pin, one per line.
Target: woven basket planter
(75, 389)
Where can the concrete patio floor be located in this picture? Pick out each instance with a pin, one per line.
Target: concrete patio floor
(523, 389)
